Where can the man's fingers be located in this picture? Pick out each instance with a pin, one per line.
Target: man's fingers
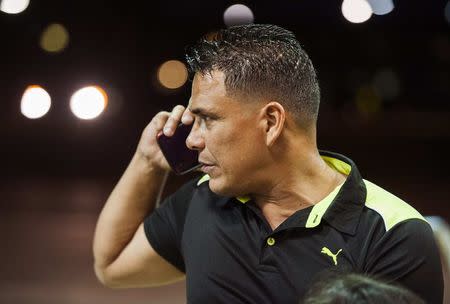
(160, 120)
(174, 120)
(187, 117)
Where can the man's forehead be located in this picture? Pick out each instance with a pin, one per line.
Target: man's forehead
(212, 82)
(208, 89)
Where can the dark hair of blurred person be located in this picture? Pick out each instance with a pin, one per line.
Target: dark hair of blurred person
(357, 289)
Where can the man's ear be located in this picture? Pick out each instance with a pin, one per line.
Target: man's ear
(274, 116)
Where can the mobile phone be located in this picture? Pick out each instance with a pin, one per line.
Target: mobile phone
(180, 158)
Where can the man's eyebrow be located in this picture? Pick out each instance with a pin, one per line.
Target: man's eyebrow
(201, 111)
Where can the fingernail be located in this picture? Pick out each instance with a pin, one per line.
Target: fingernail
(167, 131)
(186, 120)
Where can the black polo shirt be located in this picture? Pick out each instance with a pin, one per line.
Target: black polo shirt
(230, 254)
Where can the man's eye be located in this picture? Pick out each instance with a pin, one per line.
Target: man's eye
(204, 118)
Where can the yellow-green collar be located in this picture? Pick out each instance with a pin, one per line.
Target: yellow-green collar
(334, 163)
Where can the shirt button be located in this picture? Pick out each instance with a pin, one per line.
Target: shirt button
(270, 241)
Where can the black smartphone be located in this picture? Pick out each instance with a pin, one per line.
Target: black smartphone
(180, 158)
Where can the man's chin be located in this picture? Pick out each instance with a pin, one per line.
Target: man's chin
(216, 187)
(220, 188)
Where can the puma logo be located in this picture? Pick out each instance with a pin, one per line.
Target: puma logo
(328, 252)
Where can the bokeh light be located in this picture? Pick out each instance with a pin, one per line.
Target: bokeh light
(54, 38)
(368, 102)
(88, 102)
(238, 14)
(172, 74)
(440, 47)
(13, 6)
(447, 12)
(35, 102)
(356, 11)
(386, 83)
(381, 7)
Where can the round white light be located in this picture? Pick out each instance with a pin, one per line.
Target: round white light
(356, 11)
(35, 102)
(238, 14)
(13, 6)
(89, 102)
(381, 7)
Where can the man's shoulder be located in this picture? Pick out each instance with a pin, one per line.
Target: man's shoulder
(391, 208)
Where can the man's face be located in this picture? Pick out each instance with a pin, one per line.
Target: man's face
(227, 134)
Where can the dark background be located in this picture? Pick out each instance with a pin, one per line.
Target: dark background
(57, 171)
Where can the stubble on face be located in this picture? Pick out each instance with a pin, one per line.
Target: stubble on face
(232, 140)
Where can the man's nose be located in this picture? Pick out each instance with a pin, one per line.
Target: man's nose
(195, 140)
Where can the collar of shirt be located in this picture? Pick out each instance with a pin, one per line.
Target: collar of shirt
(341, 208)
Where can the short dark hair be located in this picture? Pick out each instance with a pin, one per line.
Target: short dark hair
(354, 288)
(261, 60)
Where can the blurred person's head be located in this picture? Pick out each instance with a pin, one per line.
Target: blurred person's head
(357, 289)
(256, 96)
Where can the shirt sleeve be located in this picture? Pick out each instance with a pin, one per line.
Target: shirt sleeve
(408, 254)
(164, 226)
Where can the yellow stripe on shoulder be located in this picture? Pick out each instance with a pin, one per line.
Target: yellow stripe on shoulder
(203, 179)
(392, 209)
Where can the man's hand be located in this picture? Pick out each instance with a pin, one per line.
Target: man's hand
(123, 255)
(164, 121)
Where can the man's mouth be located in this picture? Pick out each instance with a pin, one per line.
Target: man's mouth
(206, 167)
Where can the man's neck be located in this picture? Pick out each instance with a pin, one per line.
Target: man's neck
(302, 184)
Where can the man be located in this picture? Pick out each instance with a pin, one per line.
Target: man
(270, 212)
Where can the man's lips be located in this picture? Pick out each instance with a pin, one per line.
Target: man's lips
(204, 162)
(206, 167)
